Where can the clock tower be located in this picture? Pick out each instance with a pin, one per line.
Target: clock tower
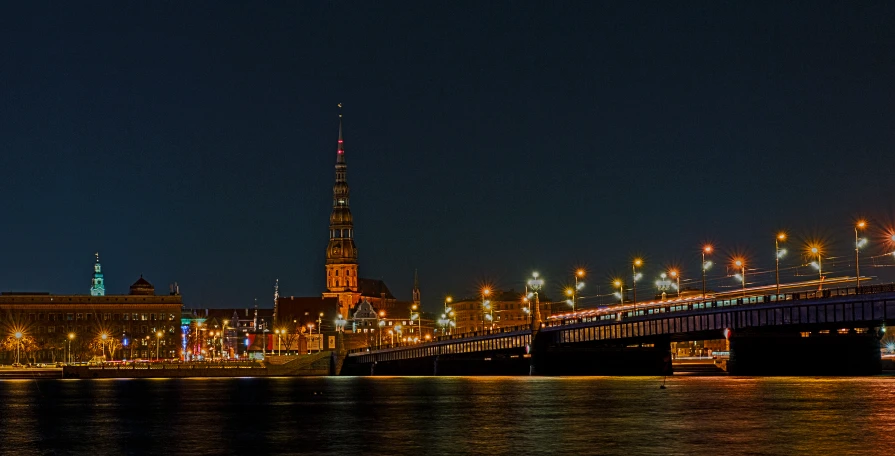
(341, 254)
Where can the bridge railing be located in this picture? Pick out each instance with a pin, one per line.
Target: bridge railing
(680, 305)
(440, 339)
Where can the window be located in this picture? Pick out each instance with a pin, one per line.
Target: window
(126, 317)
(69, 317)
(116, 317)
(152, 317)
(143, 317)
(79, 317)
(51, 329)
(107, 317)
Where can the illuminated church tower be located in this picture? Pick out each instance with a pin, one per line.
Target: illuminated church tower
(98, 288)
(341, 254)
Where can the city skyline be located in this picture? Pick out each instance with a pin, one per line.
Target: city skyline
(470, 162)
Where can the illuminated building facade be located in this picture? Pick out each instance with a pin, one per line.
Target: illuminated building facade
(509, 309)
(133, 324)
(342, 280)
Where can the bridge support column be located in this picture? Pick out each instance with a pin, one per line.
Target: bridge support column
(647, 357)
(774, 352)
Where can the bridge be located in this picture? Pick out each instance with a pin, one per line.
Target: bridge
(829, 332)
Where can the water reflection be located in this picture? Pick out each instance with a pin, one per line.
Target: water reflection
(695, 415)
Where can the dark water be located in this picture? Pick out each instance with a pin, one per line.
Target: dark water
(425, 416)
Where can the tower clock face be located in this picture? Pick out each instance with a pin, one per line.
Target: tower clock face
(336, 250)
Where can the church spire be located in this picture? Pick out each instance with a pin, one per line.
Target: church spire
(341, 253)
(98, 287)
(416, 287)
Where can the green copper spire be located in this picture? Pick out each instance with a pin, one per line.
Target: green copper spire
(98, 288)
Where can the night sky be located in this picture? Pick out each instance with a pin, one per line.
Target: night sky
(195, 141)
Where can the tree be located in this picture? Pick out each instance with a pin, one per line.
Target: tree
(25, 345)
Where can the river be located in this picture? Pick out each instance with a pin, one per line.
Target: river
(450, 415)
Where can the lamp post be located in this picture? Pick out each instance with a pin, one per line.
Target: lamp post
(104, 336)
(279, 351)
(705, 250)
(579, 274)
(820, 268)
(677, 276)
(621, 290)
(71, 337)
(777, 254)
(19, 336)
(534, 284)
(861, 224)
(448, 311)
(637, 263)
(742, 265)
(415, 315)
(158, 338)
(486, 305)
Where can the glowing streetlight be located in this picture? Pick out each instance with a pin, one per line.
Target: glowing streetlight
(676, 276)
(706, 250)
(741, 264)
(19, 336)
(579, 274)
(637, 263)
(158, 338)
(534, 284)
(277, 332)
(448, 313)
(815, 250)
(777, 255)
(621, 290)
(71, 337)
(487, 312)
(104, 336)
(860, 225)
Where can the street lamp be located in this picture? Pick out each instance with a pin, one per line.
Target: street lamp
(621, 290)
(571, 301)
(534, 284)
(637, 263)
(741, 264)
(677, 276)
(19, 336)
(279, 351)
(815, 250)
(104, 336)
(861, 224)
(778, 253)
(486, 305)
(448, 310)
(381, 325)
(71, 337)
(707, 249)
(579, 274)
(416, 315)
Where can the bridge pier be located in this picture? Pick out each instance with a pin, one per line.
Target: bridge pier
(829, 352)
(648, 357)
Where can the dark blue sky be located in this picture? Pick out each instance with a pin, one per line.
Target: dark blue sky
(195, 141)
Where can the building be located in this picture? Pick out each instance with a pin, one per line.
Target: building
(342, 280)
(504, 308)
(351, 303)
(135, 325)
